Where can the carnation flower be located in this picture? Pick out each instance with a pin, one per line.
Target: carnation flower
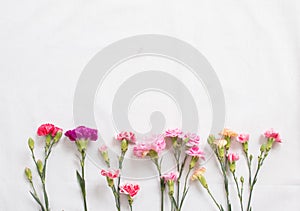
(272, 134)
(242, 138)
(220, 143)
(173, 133)
(172, 176)
(232, 157)
(111, 173)
(48, 129)
(129, 136)
(82, 133)
(129, 189)
(192, 139)
(195, 151)
(141, 150)
(228, 133)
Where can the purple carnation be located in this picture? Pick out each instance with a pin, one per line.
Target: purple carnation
(82, 132)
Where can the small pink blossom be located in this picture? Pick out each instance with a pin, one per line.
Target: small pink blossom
(243, 137)
(232, 157)
(193, 139)
(129, 136)
(129, 189)
(195, 152)
(272, 134)
(172, 176)
(159, 144)
(141, 150)
(103, 148)
(172, 133)
(112, 173)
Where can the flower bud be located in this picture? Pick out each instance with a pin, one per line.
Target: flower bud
(48, 140)
(39, 164)
(28, 174)
(171, 187)
(251, 157)
(242, 179)
(31, 144)
(245, 147)
(57, 136)
(262, 147)
(232, 167)
(203, 182)
(193, 162)
(124, 145)
(211, 139)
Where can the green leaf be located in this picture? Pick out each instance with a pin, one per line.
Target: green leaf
(81, 182)
(37, 200)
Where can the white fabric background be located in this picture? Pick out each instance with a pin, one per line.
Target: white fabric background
(44, 45)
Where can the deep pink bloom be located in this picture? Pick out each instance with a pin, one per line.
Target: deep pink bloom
(129, 189)
(112, 173)
(172, 176)
(172, 133)
(243, 137)
(141, 150)
(48, 129)
(272, 134)
(129, 136)
(232, 157)
(193, 139)
(195, 151)
(82, 132)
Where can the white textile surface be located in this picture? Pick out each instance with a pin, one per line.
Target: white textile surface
(253, 46)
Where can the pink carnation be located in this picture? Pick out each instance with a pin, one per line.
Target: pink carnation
(141, 150)
(195, 152)
(172, 133)
(172, 176)
(193, 139)
(243, 138)
(129, 136)
(112, 174)
(129, 189)
(48, 129)
(103, 148)
(159, 144)
(272, 134)
(232, 157)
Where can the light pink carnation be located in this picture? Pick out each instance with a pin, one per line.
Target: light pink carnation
(195, 152)
(193, 139)
(141, 150)
(172, 176)
(272, 134)
(243, 138)
(103, 148)
(129, 189)
(232, 157)
(172, 133)
(129, 136)
(159, 144)
(112, 174)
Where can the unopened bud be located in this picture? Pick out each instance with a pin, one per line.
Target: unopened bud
(262, 147)
(57, 136)
(39, 164)
(31, 144)
(203, 182)
(28, 174)
(242, 179)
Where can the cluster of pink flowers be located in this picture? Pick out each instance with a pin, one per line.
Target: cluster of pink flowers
(173, 133)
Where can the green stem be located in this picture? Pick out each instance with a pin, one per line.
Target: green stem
(223, 168)
(162, 183)
(185, 190)
(36, 195)
(179, 176)
(121, 159)
(116, 195)
(213, 198)
(238, 190)
(259, 164)
(83, 188)
(249, 167)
